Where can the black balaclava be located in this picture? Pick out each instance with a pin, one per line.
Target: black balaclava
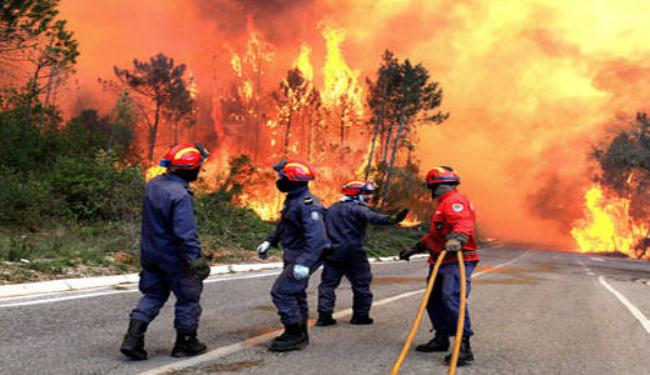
(189, 175)
(439, 190)
(285, 185)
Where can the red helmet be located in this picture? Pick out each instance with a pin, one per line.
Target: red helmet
(184, 156)
(355, 187)
(442, 175)
(294, 170)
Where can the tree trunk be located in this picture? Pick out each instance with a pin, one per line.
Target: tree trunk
(153, 133)
(310, 119)
(287, 135)
(402, 125)
(32, 93)
(387, 141)
(378, 125)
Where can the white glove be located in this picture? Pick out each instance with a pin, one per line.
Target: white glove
(263, 250)
(300, 272)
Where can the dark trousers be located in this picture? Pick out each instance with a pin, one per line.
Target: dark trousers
(358, 272)
(444, 302)
(290, 297)
(156, 285)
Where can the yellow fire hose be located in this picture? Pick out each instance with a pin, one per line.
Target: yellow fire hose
(461, 315)
(423, 305)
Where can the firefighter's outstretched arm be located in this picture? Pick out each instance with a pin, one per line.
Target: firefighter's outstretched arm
(270, 241)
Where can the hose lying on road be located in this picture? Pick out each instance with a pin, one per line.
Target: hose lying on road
(418, 318)
(423, 305)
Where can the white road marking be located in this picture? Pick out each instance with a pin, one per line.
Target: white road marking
(597, 259)
(633, 309)
(242, 345)
(130, 290)
(60, 299)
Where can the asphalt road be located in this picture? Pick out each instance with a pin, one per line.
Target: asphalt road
(539, 312)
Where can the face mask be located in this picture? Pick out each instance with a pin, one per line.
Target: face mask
(441, 190)
(190, 175)
(284, 185)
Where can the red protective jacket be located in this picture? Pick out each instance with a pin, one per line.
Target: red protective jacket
(454, 214)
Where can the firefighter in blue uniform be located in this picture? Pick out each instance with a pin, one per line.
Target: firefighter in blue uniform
(171, 256)
(347, 221)
(301, 231)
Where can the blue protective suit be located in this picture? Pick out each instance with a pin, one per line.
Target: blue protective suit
(444, 302)
(301, 231)
(346, 226)
(169, 242)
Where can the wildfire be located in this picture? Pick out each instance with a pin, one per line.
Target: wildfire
(608, 226)
(192, 87)
(410, 221)
(267, 209)
(303, 62)
(340, 79)
(153, 172)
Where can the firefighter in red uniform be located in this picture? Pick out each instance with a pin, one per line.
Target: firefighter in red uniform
(452, 229)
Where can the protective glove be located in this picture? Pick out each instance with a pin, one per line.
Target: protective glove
(300, 272)
(406, 254)
(263, 250)
(200, 268)
(419, 247)
(453, 245)
(399, 217)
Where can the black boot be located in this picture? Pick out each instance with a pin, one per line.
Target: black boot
(293, 338)
(465, 354)
(325, 319)
(361, 319)
(133, 344)
(188, 345)
(439, 343)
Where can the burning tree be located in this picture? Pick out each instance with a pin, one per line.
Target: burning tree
(626, 166)
(298, 104)
(161, 93)
(243, 106)
(401, 99)
(617, 215)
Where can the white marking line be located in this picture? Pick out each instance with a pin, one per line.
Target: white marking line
(242, 345)
(597, 259)
(69, 298)
(111, 292)
(38, 299)
(633, 309)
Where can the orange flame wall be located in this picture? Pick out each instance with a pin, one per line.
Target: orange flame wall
(530, 85)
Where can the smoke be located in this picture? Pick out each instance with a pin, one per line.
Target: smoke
(530, 86)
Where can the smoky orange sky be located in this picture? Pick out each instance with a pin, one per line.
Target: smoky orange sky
(530, 86)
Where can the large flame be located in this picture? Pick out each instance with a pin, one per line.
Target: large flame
(341, 82)
(303, 62)
(608, 227)
(530, 85)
